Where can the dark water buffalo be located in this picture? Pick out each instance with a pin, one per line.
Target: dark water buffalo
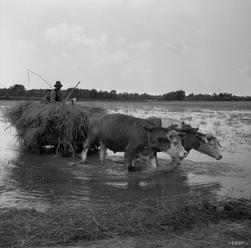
(192, 139)
(204, 143)
(123, 133)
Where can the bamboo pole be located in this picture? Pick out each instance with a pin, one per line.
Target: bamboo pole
(66, 99)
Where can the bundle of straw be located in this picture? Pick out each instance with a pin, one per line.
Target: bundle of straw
(58, 124)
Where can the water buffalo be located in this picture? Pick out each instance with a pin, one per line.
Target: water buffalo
(124, 133)
(192, 139)
(204, 143)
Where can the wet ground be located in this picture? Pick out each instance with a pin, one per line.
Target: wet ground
(41, 181)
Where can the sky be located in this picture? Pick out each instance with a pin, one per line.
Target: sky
(151, 46)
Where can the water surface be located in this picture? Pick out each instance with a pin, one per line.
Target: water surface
(40, 181)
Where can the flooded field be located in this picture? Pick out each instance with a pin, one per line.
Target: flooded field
(41, 181)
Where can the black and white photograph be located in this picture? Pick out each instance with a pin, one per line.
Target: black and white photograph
(125, 123)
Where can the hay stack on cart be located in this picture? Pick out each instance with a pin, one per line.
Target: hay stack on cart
(58, 125)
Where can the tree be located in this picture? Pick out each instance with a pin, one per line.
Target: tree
(17, 90)
(178, 95)
(93, 94)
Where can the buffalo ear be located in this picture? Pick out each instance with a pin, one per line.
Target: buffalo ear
(170, 134)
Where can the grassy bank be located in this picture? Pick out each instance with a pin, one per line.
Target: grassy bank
(61, 226)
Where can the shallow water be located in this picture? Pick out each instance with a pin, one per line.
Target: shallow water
(41, 181)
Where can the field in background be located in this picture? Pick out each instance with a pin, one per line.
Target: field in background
(34, 184)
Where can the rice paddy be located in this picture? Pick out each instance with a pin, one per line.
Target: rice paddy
(47, 202)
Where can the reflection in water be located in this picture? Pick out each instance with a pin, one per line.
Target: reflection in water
(44, 180)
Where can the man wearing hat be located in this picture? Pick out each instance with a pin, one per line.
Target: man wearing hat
(56, 94)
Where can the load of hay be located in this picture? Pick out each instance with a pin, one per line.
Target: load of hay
(57, 125)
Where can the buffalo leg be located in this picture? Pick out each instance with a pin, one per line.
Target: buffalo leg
(131, 155)
(175, 161)
(153, 159)
(154, 163)
(173, 167)
(103, 149)
(86, 146)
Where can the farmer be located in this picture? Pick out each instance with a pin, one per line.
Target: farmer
(47, 97)
(56, 95)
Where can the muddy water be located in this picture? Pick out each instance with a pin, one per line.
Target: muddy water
(41, 181)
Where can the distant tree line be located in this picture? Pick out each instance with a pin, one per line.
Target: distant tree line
(19, 91)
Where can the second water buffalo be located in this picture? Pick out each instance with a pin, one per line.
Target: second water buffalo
(193, 139)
